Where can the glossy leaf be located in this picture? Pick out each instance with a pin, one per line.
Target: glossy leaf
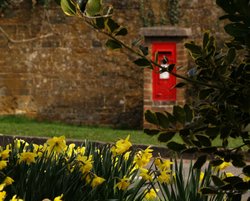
(205, 141)
(144, 50)
(151, 131)
(112, 44)
(208, 190)
(246, 170)
(68, 7)
(171, 67)
(236, 29)
(142, 62)
(166, 136)
(200, 162)
(100, 23)
(162, 119)
(179, 114)
(233, 180)
(217, 181)
(122, 32)
(180, 85)
(176, 146)
(151, 117)
(112, 25)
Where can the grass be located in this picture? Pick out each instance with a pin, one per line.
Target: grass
(24, 126)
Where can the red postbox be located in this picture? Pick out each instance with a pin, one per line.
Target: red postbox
(163, 83)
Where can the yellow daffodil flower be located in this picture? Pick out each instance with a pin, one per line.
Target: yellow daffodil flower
(58, 198)
(151, 194)
(163, 165)
(14, 198)
(164, 177)
(86, 163)
(3, 164)
(145, 174)
(126, 155)
(142, 158)
(246, 179)
(121, 146)
(28, 157)
(2, 186)
(57, 144)
(97, 181)
(123, 184)
(8, 181)
(2, 195)
(222, 166)
(202, 174)
(5, 154)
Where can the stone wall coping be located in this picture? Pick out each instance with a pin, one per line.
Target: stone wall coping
(166, 31)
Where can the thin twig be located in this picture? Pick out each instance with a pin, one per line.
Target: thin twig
(24, 40)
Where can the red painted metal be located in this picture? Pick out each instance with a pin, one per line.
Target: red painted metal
(163, 84)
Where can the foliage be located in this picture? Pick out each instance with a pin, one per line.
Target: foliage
(35, 172)
(221, 76)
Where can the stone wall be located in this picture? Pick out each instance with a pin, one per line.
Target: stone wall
(69, 75)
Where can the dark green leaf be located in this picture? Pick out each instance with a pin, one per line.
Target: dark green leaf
(180, 85)
(68, 7)
(176, 146)
(100, 23)
(226, 6)
(204, 94)
(236, 29)
(243, 186)
(212, 132)
(208, 150)
(225, 132)
(194, 49)
(166, 136)
(196, 143)
(208, 190)
(112, 25)
(112, 44)
(144, 50)
(230, 57)
(238, 162)
(200, 162)
(246, 170)
(179, 114)
(143, 62)
(205, 39)
(204, 140)
(151, 131)
(122, 32)
(184, 132)
(190, 151)
(216, 162)
(189, 113)
(233, 180)
(217, 181)
(162, 119)
(151, 117)
(171, 67)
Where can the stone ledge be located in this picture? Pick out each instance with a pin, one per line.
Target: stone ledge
(164, 31)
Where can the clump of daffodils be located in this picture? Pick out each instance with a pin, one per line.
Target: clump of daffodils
(56, 171)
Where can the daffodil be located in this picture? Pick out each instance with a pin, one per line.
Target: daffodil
(164, 177)
(14, 198)
(8, 181)
(86, 163)
(222, 166)
(246, 179)
(202, 174)
(2, 186)
(2, 195)
(121, 146)
(142, 158)
(123, 184)
(3, 164)
(58, 198)
(28, 157)
(163, 165)
(57, 144)
(97, 181)
(151, 194)
(5, 154)
(145, 174)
